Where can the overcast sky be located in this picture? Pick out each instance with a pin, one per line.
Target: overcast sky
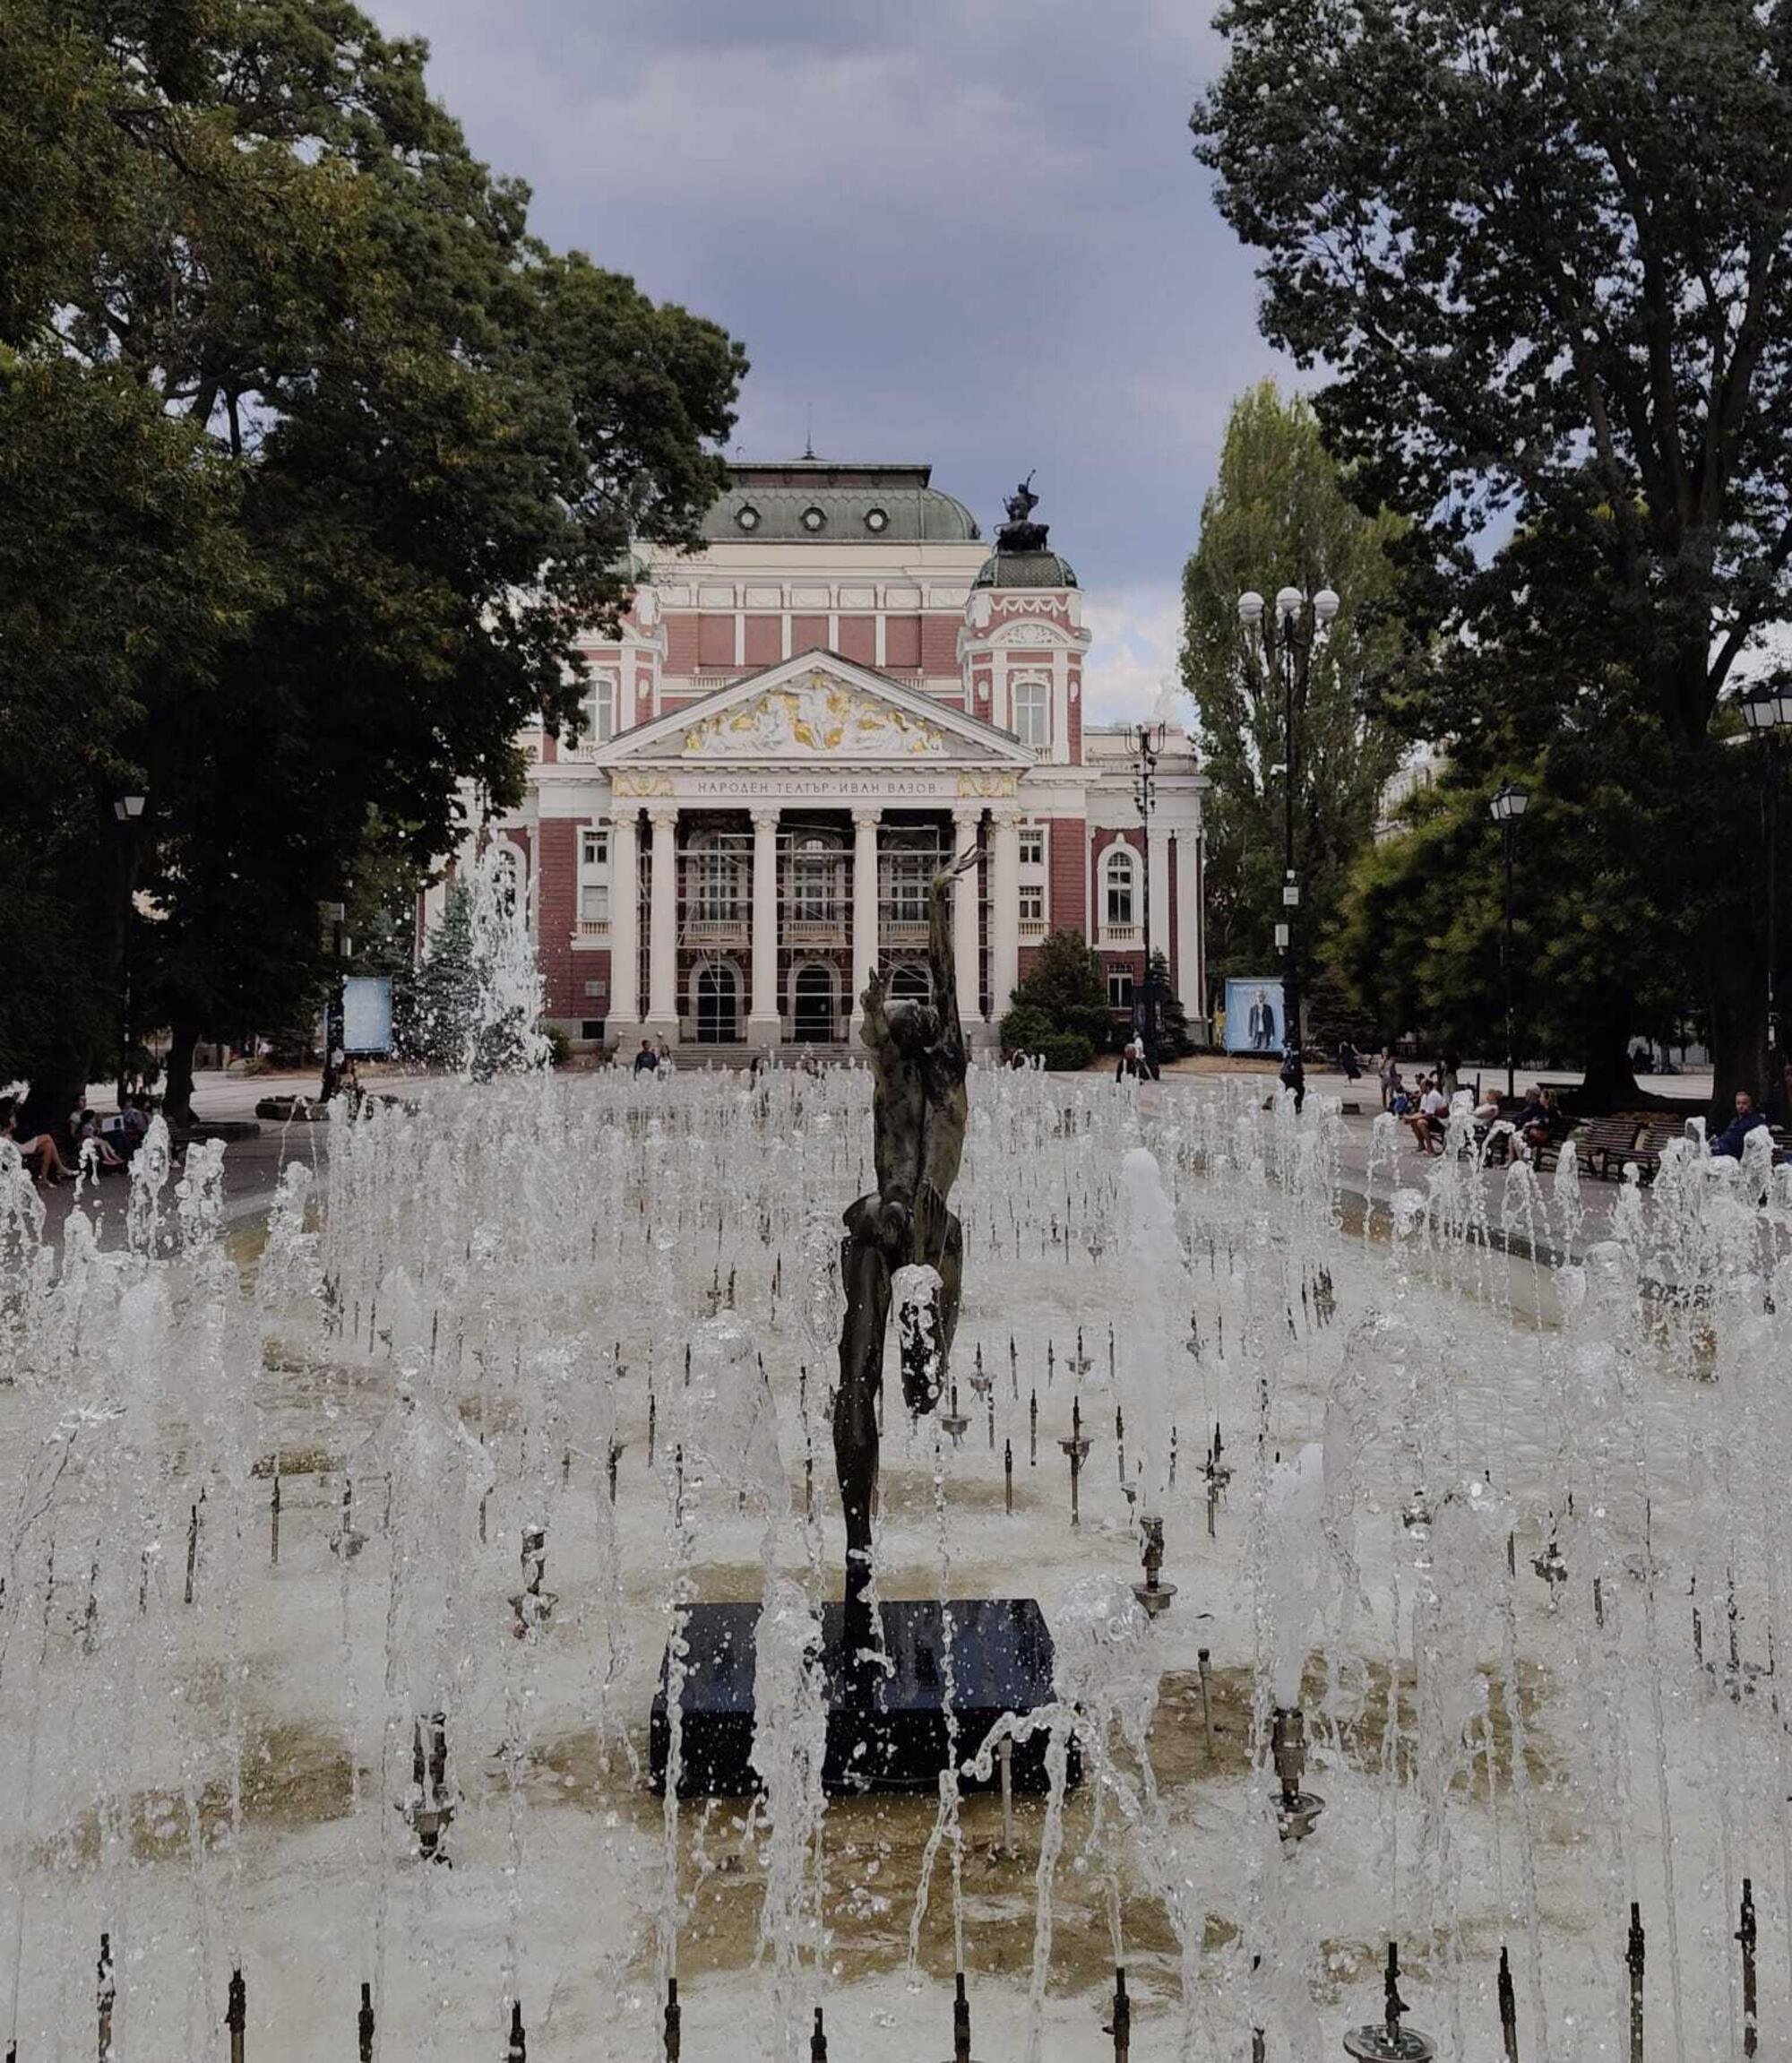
(968, 231)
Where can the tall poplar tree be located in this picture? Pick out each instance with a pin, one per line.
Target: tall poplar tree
(1277, 516)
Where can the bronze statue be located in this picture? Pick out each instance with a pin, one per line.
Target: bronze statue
(918, 1114)
(1023, 501)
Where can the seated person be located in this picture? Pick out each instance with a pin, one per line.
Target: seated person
(87, 1132)
(1729, 1142)
(38, 1151)
(1431, 1121)
(1402, 1101)
(647, 1059)
(1534, 1121)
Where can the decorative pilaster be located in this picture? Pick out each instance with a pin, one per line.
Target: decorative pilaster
(622, 1015)
(763, 1025)
(1004, 914)
(662, 932)
(964, 922)
(1157, 872)
(864, 899)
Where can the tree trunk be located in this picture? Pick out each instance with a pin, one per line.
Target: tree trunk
(58, 1087)
(1610, 1082)
(177, 1076)
(1736, 988)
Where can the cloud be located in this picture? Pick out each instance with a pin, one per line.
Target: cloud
(973, 233)
(1136, 637)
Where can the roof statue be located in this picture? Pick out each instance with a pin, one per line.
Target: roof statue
(1020, 532)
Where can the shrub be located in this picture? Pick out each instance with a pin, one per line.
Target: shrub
(1066, 1052)
(1025, 1029)
(559, 1045)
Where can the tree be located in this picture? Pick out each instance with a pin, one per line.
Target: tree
(1548, 254)
(1277, 516)
(1173, 1038)
(441, 438)
(1061, 1007)
(1420, 937)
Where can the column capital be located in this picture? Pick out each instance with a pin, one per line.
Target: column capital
(968, 813)
(867, 819)
(1008, 818)
(767, 817)
(664, 818)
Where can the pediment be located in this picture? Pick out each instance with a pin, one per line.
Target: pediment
(818, 707)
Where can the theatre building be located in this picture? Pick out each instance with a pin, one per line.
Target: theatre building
(798, 726)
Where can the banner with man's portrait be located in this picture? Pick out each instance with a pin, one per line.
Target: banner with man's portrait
(1254, 1022)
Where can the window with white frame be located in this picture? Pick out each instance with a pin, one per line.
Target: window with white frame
(1033, 712)
(1032, 903)
(1033, 845)
(1120, 873)
(815, 877)
(600, 709)
(1120, 988)
(594, 874)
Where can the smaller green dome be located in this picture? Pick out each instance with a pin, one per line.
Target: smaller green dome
(1025, 569)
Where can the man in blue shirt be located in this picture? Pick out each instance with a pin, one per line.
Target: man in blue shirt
(1747, 1119)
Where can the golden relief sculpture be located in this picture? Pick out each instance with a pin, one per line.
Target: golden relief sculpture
(641, 786)
(819, 714)
(976, 784)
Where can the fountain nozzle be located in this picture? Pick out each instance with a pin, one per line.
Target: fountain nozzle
(1298, 1811)
(1154, 1594)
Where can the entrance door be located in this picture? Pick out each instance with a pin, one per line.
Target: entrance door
(718, 1007)
(813, 1009)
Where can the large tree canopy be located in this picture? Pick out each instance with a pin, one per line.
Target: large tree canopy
(1277, 516)
(1546, 252)
(248, 219)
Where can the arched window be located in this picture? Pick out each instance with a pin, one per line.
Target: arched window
(1033, 712)
(600, 709)
(1120, 875)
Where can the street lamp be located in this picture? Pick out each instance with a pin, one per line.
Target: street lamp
(1507, 807)
(1148, 745)
(1767, 710)
(1281, 639)
(128, 809)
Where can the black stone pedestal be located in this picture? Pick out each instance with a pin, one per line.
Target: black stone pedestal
(886, 1721)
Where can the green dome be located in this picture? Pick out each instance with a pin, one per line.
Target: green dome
(1025, 569)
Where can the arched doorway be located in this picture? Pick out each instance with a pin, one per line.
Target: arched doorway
(814, 1006)
(716, 992)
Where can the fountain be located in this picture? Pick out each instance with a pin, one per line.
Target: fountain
(477, 1355)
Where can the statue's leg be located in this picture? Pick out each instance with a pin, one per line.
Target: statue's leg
(865, 1276)
(950, 1265)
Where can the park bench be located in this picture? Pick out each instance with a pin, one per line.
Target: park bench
(1602, 1141)
(1652, 1141)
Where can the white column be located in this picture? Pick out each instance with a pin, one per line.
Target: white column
(1157, 864)
(864, 900)
(1185, 968)
(662, 929)
(1004, 915)
(762, 1027)
(622, 1015)
(964, 922)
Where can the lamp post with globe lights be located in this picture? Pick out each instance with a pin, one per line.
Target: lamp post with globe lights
(1507, 807)
(1280, 638)
(1767, 710)
(128, 809)
(1148, 745)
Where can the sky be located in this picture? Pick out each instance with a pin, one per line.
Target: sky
(965, 231)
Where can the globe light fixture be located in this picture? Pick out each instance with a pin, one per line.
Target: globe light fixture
(1287, 603)
(1250, 608)
(1326, 604)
